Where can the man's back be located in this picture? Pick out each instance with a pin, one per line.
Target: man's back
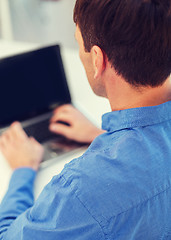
(123, 180)
(119, 189)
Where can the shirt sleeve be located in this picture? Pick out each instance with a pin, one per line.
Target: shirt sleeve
(57, 214)
(18, 198)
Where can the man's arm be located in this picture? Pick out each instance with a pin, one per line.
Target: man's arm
(18, 198)
(24, 156)
(57, 214)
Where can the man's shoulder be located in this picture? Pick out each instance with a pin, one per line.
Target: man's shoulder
(114, 166)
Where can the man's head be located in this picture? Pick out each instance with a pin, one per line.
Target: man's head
(135, 36)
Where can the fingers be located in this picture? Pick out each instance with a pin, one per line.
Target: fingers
(64, 117)
(12, 135)
(64, 108)
(16, 131)
(63, 113)
(20, 150)
(6, 141)
(61, 129)
(34, 141)
(38, 146)
(6, 138)
(3, 142)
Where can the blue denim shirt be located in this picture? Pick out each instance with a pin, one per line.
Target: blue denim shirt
(119, 189)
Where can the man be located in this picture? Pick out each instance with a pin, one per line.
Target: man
(120, 188)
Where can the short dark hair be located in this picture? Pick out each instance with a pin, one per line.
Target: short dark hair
(134, 34)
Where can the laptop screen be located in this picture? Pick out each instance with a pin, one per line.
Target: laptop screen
(31, 84)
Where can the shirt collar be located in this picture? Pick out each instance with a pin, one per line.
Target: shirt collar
(136, 117)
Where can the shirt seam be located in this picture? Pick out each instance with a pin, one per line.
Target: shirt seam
(122, 212)
(146, 200)
(101, 227)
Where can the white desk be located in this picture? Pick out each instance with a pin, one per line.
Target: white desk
(82, 96)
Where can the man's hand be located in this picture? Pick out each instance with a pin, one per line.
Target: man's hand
(79, 128)
(19, 149)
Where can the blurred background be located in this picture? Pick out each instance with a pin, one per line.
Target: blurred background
(38, 21)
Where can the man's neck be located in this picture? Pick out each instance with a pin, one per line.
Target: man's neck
(123, 96)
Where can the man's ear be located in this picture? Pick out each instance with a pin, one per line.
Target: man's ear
(98, 60)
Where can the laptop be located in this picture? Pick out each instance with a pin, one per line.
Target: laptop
(33, 84)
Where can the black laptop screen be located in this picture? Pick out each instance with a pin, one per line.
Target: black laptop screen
(31, 84)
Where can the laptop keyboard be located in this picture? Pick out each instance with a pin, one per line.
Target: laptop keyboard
(40, 131)
(60, 146)
(54, 145)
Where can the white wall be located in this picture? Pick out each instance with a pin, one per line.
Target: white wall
(5, 20)
(43, 21)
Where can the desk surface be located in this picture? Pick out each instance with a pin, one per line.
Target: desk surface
(82, 96)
